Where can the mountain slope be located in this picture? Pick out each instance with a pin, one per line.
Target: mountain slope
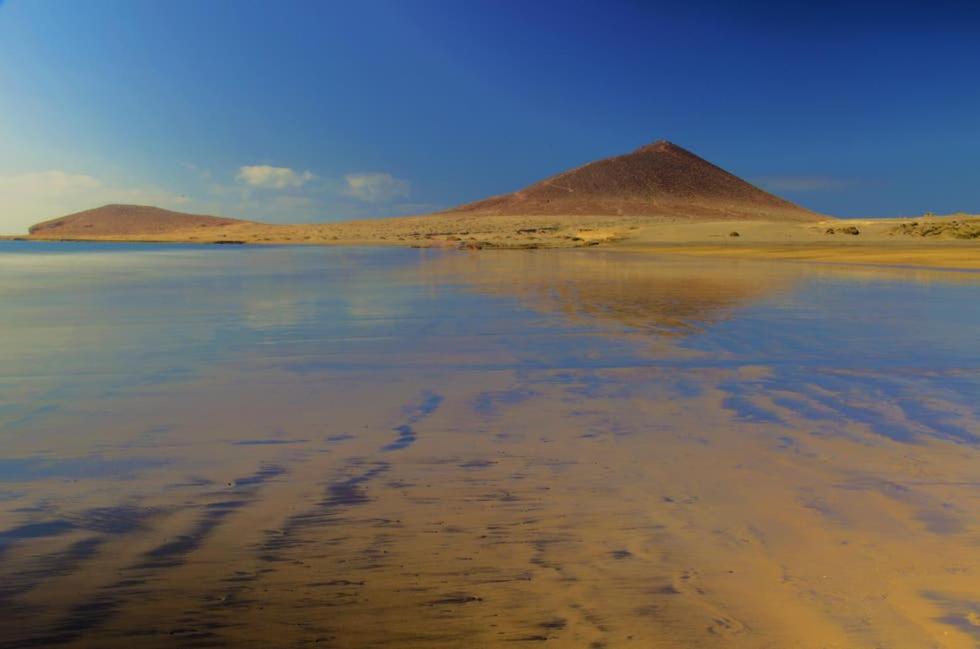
(659, 179)
(121, 220)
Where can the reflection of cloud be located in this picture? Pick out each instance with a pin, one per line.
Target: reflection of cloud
(271, 309)
(374, 188)
(803, 183)
(376, 307)
(269, 177)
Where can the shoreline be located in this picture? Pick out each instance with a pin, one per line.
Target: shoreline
(908, 255)
(934, 242)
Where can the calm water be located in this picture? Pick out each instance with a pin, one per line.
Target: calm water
(278, 447)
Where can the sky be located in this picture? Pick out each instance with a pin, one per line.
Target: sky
(318, 111)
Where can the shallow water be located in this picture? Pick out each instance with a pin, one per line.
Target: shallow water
(277, 447)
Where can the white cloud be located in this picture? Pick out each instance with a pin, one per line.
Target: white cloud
(374, 188)
(291, 202)
(26, 198)
(273, 177)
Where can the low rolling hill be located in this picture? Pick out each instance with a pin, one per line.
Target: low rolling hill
(125, 220)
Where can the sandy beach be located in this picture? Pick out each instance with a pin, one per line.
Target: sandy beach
(928, 241)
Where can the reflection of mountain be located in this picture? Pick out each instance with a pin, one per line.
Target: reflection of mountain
(672, 298)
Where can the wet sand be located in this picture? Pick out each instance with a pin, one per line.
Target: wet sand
(952, 256)
(530, 521)
(599, 450)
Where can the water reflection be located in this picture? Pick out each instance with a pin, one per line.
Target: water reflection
(342, 447)
(653, 296)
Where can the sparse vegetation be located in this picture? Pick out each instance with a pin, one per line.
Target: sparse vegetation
(962, 228)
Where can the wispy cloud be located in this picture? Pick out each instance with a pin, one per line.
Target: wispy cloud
(375, 187)
(264, 192)
(803, 183)
(35, 196)
(49, 182)
(267, 177)
(199, 172)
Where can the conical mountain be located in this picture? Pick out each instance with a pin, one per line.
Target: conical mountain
(659, 179)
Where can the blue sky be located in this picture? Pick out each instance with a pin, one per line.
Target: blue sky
(295, 111)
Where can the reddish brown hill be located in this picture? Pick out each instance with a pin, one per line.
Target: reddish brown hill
(659, 179)
(122, 220)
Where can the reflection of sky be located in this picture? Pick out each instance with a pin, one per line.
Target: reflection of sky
(35, 468)
(84, 320)
(837, 322)
(902, 358)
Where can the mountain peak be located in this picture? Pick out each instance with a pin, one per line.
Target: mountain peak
(660, 146)
(658, 179)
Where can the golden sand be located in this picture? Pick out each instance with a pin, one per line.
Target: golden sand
(879, 241)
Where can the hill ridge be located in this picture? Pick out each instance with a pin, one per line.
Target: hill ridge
(118, 219)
